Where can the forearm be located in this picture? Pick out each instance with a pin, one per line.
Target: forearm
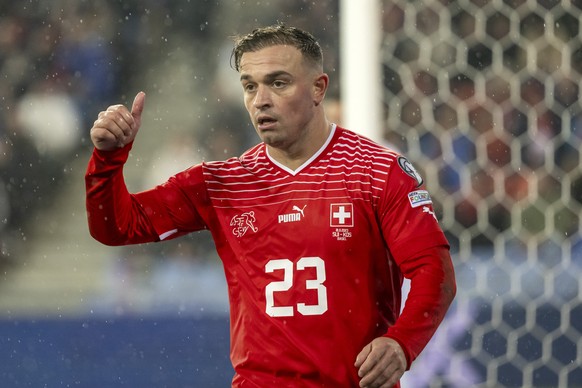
(432, 290)
(114, 216)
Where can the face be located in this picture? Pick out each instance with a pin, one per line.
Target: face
(281, 93)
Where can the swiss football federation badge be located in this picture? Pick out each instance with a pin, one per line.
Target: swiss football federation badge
(242, 223)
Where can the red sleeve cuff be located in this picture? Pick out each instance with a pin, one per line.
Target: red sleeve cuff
(404, 349)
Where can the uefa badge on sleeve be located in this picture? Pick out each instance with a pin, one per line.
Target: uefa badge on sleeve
(409, 169)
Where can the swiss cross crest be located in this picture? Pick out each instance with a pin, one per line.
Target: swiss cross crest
(341, 215)
(242, 223)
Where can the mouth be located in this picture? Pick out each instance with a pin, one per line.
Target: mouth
(265, 122)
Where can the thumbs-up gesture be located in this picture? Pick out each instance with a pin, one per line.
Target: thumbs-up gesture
(117, 126)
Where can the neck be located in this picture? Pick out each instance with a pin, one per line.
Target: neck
(298, 153)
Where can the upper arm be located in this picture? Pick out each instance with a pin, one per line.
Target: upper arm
(407, 217)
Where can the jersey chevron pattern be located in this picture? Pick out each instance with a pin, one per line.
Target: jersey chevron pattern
(311, 256)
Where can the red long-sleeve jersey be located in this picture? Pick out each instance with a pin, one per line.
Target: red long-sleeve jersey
(314, 258)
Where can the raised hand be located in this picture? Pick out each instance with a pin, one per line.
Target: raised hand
(117, 126)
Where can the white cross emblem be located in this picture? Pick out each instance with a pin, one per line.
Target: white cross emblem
(342, 215)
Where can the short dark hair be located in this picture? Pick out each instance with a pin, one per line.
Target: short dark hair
(274, 35)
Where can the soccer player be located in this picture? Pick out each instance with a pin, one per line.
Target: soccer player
(316, 226)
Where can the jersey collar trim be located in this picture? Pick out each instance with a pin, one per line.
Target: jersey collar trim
(308, 161)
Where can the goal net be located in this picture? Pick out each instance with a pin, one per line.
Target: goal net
(484, 97)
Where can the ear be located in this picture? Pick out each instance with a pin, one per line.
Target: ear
(319, 88)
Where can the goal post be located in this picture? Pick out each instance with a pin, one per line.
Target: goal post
(360, 77)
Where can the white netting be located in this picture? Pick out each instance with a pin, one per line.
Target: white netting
(484, 98)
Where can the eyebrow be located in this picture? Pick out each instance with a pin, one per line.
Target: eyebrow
(270, 77)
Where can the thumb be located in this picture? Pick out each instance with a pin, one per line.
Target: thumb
(137, 107)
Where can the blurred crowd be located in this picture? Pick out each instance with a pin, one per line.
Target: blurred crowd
(61, 62)
(55, 69)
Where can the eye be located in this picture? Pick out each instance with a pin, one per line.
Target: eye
(279, 84)
(248, 87)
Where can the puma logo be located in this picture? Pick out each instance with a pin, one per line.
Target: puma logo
(293, 217)
(296, 208)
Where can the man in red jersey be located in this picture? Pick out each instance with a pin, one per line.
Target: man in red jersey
(316, 227)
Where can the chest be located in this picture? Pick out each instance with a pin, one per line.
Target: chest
(301, 222)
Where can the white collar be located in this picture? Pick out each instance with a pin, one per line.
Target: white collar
(308, 161)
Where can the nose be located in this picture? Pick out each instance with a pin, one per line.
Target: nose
(262, 97)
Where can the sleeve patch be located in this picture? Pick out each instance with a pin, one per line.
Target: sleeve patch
(419, 198)
(407, 167)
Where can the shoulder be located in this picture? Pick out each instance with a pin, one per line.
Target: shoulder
(358, 142)
(362, 149)
(383, 159)
(241, 166)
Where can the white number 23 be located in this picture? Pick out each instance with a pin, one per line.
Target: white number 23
(287, 267)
